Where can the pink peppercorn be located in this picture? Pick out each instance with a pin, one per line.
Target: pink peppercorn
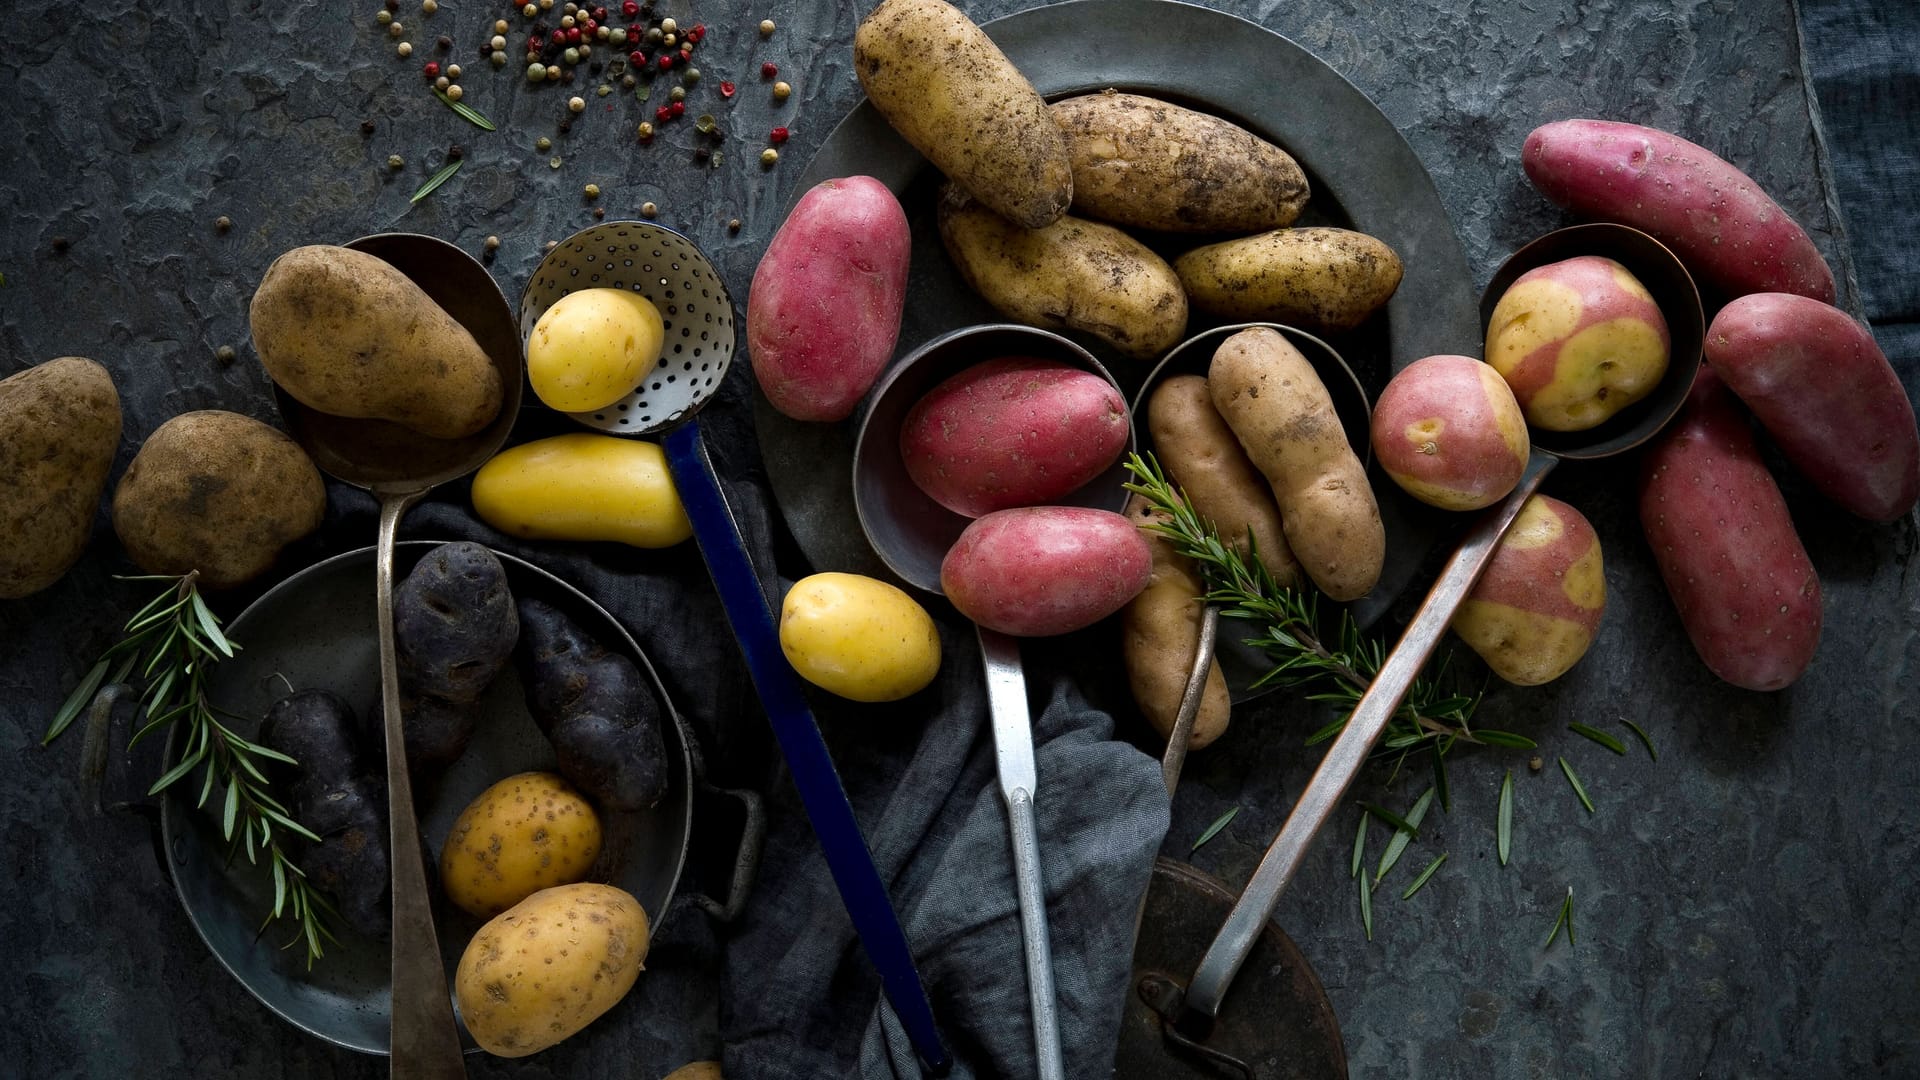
(678, 108)
(777, 136)
(727, 89)
(433, 70)
(599, 14)
(768, 70)
(630, 8)
(573, 36)
(664, 113)
(666, 63)
(559, 37)
(637, 58)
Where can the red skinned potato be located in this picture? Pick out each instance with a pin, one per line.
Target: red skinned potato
(1013, 431)
(823, 312)
(1726, 547)
(1822, 388)
(1709, 212)
(1042, 570)
(1449, 432)
(1534, 612)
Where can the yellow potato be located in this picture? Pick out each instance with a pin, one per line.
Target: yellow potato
(529, 832)
(1072, 275)
(1202, 456)
(1327, 279)
(592, 347)
(1578, 341)
(696, 1070)
(549, 966)
(582, 487)
(859, 638)
(1160, 631)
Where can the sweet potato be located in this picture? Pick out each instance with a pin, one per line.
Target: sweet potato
(1707, 210)
(1824, 391)
(1720, 532)
(1207, 463)
(1012, 431)
(1160, 631)
(1043, 570)
(823, 313)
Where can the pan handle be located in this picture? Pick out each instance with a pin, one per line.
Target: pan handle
(746, 862)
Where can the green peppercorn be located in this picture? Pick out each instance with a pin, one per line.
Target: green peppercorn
(678, 93)
(592, 191)
(566, 22)
(586, 51)
(553, 163)
(536, 71)
(629, 81)
(692, 76)
(383, 17)
(395, 161)
(769, 156)
(618, 35)
(498, 59)
(224, 355)
(543, 144)
(654, 35)
(571, 57)
(604, 90)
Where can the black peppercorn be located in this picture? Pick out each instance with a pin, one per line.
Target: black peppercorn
(566, 126)
(60, 245)
(444, 42)
(455, 152)
(701, 154)
(366, 127)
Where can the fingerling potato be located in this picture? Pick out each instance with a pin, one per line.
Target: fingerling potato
(1207, 463)
(1160, 632)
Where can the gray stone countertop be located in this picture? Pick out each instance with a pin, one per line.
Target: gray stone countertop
(1744, 904)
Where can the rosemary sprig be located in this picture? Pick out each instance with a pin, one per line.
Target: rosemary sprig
(1565, 919)
(1644, 741)
(1504, 837)
(1610, 742)
(467, 112)
(173, 641)
(1578, 788)
(1424, 875)
(1213, 830)
(436, 180)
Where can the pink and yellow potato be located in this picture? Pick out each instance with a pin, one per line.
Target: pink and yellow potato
(1449, 432)
(1012, 431)
(1577, 341)
(1037, 571)
(1535, 610)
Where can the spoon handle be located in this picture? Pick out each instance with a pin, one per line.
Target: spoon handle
(821, 793)
(1348, 754)
(423, 1043)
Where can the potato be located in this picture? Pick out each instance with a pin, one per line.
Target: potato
(528, 832)
(347, 334)
(1043, 570)
(454, 629)
(596, 707)
(592, 347)
(1577, 341)
(1012, 431)
(219, 493)
(1534, 612)
(859, 638)
(1280, 411)
(1201, 456)
(59, 427)
(554, 963)
(696, 1070)
(823, 314)
(338, 794)
(1448, 430)
(582, 487)
(1160, 632)
(1824, 391)
(950, 92)
(1726, 547)
(1150, 164)
(1073, 275)
(1324, 279)
(1709, 212)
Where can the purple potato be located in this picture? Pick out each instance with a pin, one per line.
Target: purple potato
(596, 708)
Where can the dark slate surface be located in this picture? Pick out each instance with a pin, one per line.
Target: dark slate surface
(1744, 905)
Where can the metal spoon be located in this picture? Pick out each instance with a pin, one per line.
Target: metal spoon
(399, 466)
(670, 271)
(911, 533)
(1673, 289)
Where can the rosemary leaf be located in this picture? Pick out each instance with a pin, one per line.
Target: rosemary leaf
(1359, 846)
(1424, 875)
(1401, 839)
(437, 179)
(1504, 837)
(1599, 736)
(185, 766)
(1503, 738)
(1577, 788)
(1565, 919)
(1440, 777)
(81, 697)
(1213, 830)
(1644, 741)
(1366, 906)
(232, 809)
(211, 626)
(467, 112)
(1391, 818)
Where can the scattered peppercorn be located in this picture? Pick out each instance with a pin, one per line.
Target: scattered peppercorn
(536, 72)
(492, 243)
(553, 163)
(395, 161)
(553, 72)
(453, 72)
(586, 51)
(391, 5)
(629, 81)
(599, 213)
(394, 29)
(383, 17)
(604, 90)
(663, 114)
(498, 59)
(669, 40)
(1535, 764)
(677, 94)
(592, 191)
(444, 42)
(769, 156)
(576, 105)
(654, 35)
(428, 7)
(432, 69)
(678, 108)
(769, 69)
(668, 26)
(224, 355)
(691, 76)
(617, 36)
(647, 210)
(60, 245)
(571, 56)
(455, 93)
(701, 154)
(734, 225)
(777, 136)
(781, 91)
(367, 127)
(404, 50)
(726, 89)
(630, 8)
(550, 245)
(222, 223)
(646, 130)
(666, 63)
(543, 144)
(529, 11)
(565, 126)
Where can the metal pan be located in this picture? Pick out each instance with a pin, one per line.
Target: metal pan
(316, 629)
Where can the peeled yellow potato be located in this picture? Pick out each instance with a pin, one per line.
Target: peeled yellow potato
(529, 832)
(582, 487)
(550, 966)
(592, 347)
(859, 638)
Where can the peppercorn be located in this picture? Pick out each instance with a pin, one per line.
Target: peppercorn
(678, 108)
(498, 59)
(564, 78)
(553, 163)
(734, 225)
(669, 40)
(603, 33)
(536, 71)
(726, 89)
(766, 30)
(543, 144)
(492, 243)
(453, 72)
(781, 91)
(777, 136)
(646, 130)
(630, 8)
(769, 156)
(604, 90)
(617, 37)
(592, 191)
(428, 7)
(637, 58)
(571, 56)
(391, 5)
(222, 223)
(499, 26)
(647, 210)
(553, 72)
(529, 10)
(224, 355)
(668, 25)
(576, 105)
(570, 8)
(404, 50)
(550, 245)
(367, 127)
(432, 69)
(769, 69)
(599, 13)
(395, 161)
(666, 63)
(585, 51)
(442, 84)
(663, 114)
(444, 42)
(455, 92)
(573, 36)
(546, 5)
(690, 76)
(383, 17)
(564, 126)
(60, 245)
(566, 22)
(654, 35)
(456, 152)
(499, 42)
(678, 93)
(701, 154)
(629, 81)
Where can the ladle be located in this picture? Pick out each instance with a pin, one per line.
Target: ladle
(398, 467)
(697, 311)
(1673, 289)
(911, 533)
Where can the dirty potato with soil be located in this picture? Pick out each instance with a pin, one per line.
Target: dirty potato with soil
(59, 427)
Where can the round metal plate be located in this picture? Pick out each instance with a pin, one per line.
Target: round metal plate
(1364, 176)
(669, 271)
(1276, 1019)
(316, 629)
